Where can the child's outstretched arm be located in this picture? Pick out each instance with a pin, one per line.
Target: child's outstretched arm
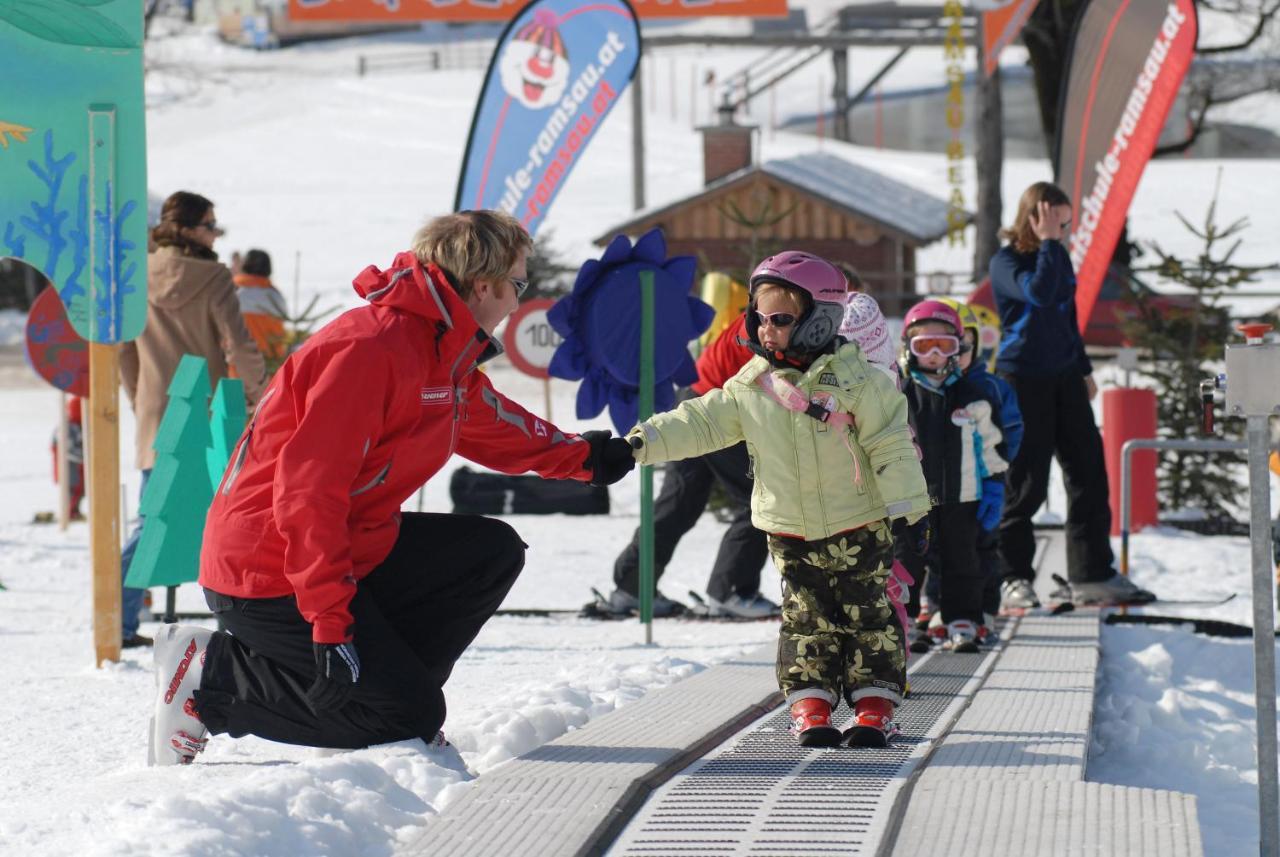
(880, 421)
(696, 427)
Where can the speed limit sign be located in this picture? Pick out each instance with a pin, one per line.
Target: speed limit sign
(529, 339)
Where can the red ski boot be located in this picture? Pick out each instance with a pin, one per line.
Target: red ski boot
(872, 723)
(811, 723)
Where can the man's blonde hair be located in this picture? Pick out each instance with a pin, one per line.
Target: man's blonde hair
(472, 245)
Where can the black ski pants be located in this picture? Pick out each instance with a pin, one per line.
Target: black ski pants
(414, 616)
(989, 561)
(686, 487)
(953, 560)
(1059, 422)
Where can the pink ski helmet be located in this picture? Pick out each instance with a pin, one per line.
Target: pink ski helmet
(931, 310)
(823, 282)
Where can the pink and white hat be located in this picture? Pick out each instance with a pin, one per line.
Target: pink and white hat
(865, 324)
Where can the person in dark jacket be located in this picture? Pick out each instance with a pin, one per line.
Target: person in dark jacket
(1004, 404)
(345, 614)
(963, 457)
(1042, 355)
(734, 586)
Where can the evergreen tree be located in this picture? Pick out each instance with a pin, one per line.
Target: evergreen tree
(550, 276)
(178, 494)
(1187, 345)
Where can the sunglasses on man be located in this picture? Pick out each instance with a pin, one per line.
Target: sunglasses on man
(776, 319)
(521, 286)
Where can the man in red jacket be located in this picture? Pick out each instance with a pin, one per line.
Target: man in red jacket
(345, 615)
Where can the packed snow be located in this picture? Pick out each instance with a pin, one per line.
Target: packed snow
(304, 158)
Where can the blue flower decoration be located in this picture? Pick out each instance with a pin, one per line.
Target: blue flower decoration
(600, 323)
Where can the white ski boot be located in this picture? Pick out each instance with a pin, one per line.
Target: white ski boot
(177, 734)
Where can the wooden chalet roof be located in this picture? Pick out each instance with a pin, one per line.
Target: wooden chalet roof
(862, 195)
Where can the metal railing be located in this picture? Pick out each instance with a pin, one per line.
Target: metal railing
(1126, 456)
(448, 55)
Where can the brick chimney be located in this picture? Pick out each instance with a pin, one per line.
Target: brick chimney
(726, 147)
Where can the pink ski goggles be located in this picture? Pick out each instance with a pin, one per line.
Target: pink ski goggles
(944, 344)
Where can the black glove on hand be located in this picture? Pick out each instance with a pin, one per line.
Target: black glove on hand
(610, 459)
(914, 538)
(337, 671)
(919, 535)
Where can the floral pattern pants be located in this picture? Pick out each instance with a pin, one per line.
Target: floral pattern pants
(839, 633)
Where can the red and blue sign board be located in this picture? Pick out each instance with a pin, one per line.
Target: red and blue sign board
(55, 351)
(557, 71)
(73, 167)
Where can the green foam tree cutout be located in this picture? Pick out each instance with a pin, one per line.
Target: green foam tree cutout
(178, 493)
(225, 425)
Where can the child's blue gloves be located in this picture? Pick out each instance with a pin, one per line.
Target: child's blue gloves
(992, 502)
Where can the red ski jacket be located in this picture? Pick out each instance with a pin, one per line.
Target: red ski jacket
(723, 357)
(353, 424)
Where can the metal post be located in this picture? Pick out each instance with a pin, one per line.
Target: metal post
(1264, 645)
(840, 93)
(646, 470)
(637, 141)
(63, 464)
(1251, 393)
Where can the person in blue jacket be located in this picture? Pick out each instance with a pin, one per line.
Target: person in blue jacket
(1004, 405)
(1042, 355)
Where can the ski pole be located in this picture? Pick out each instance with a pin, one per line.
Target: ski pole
(646, 470)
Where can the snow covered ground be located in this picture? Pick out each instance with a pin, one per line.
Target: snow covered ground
(76, 780)
(303, 157)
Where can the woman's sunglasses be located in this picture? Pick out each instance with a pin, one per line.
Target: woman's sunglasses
(944, 343)
(776, 319)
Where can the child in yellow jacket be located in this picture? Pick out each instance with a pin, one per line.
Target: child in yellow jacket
(834, 462)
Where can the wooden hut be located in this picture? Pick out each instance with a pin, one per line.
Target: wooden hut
(817, 202)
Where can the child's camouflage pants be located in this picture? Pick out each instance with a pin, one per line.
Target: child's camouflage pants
(839, 632)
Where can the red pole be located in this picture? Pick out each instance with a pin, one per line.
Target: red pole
(1129, 414)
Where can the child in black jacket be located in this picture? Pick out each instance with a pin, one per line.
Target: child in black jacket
(963, 451)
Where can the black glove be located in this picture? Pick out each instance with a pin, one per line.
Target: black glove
(914, 537)
(920, 536)
(610, 459)
(337, 671)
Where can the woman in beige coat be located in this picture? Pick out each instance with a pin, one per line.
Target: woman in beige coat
(192, 308)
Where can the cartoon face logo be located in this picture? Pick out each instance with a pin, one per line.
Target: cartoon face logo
(534, 65)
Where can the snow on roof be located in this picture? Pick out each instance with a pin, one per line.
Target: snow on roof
(861, 191)
(867, 192)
